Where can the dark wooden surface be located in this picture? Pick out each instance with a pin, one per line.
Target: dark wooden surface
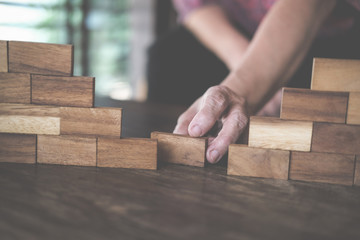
(175, 202)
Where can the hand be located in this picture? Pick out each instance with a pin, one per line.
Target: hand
(219, 103)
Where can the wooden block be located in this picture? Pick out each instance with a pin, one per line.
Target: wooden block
(40, 58)
(282, 134)
(127, 153)
(17, 148)
(66, 150)
(91, 121)
(336, 138)
(15, 88)
(357, 171)
(63, 91)
(310, 105)
(180, 149)
(29, 119)
(353, 113)
(322, 167)
(336, 75)
(3, 56)
(258, 162)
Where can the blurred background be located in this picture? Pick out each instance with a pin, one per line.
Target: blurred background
(110, 37)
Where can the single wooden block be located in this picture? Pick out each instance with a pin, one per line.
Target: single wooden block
(17, 148)
(40, 58)
(29, 119)
(3, 56)
(336, 138)
(127, 153)
(357, 171)
(336, 75)
(15, 88)
(311, 105)
(181, 149)
(66, 150)
(322, 167)
(258, 162)
(63, 91)
(282, 134)
(353, 113)
(91, 121)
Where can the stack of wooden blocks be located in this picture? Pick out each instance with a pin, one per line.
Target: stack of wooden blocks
(316, 138)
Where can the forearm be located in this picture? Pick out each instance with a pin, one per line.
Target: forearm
(210, 25)
(279, 46)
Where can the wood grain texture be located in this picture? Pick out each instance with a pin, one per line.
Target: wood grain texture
(353, 113)
(63, 91)
(311, 105)
(15, 88)
(258, 162)
(17, 148)
(357, 171)
(322, 167)
(66, 150)
(29, 119)
(180, 149)
(91, 121)
(336, 138)
(3, 56)
(40, 58)
(282, 134)
(127, 153)
(336, 75)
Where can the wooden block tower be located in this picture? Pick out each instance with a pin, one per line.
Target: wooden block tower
(316, 138)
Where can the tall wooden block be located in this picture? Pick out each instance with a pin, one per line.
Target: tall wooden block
(63, 91)
(127, 153)
(336, 138)
(336, 75)
(357, 171)
(15, 88)
(353, 113)
(66, 150)
(282, 134)
(322, 167)
(258, 162)
(310, 105)
(29, 119)
(3, 56)
(17, 148)
(40, 58)
(180, 149)
(91, 121)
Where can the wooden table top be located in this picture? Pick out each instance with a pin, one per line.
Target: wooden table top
(175, 202)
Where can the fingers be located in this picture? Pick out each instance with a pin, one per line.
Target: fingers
(234, 123)
(185, 119)
(215, 101)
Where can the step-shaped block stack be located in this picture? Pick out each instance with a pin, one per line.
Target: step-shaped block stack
(316, 138)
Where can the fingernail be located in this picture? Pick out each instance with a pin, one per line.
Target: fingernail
(214, 156)
(195, 131)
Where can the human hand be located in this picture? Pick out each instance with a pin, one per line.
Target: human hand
(219, 103)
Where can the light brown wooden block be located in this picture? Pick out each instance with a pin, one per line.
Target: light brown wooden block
(336, 75)
(66, 150)
(310, 105)
(40, 58)
(336, 138)
(180, 149)
(282, 134)
(17, 148)
(29, 119)
(357, 171)
(63, 91)
(353, 114)
(91, 121)
(322, 167)
(258, 162)
(15, 88)
(127, 153)
(3, 56)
